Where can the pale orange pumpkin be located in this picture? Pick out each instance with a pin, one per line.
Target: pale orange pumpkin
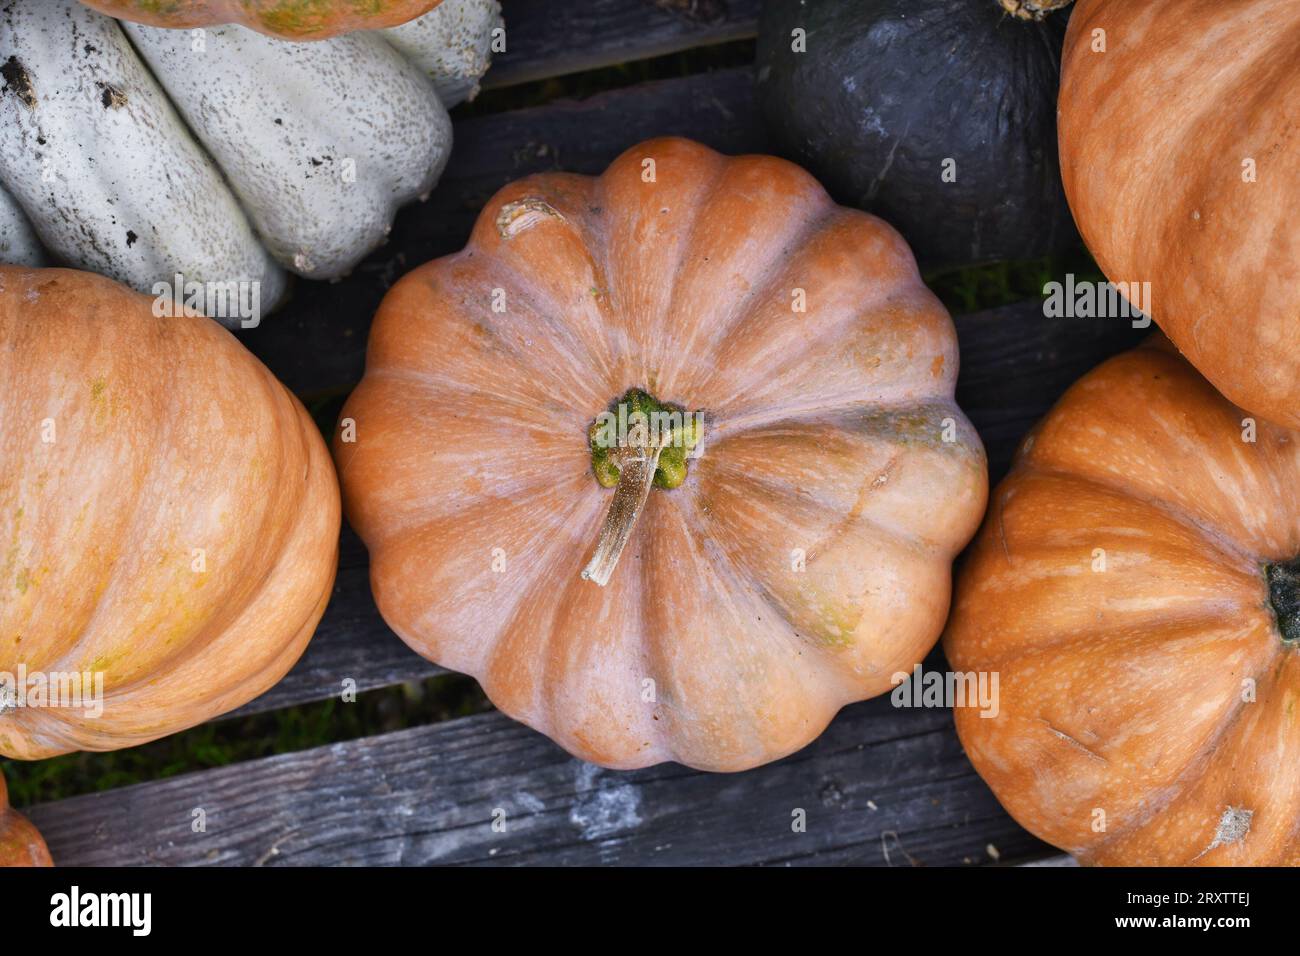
(168, 517)
(287, 19)
(1181, 164)
(1136, 588)
(20, 843)
(796, 563)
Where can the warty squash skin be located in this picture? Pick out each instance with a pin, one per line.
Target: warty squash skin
(20, 843)
(137, 201)
(804, 557)
(168, 511)
(139, 157)
(1158, 136)
(286, 19)
(309, 214)
(1136, 588)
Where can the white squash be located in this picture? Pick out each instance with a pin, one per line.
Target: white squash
(223, 155)
(321, 175)
(452, 44)
(18, 243)
(105, 169)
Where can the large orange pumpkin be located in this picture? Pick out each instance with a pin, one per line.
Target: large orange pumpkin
(1136, 587)
(287, 19)
(1181, 160)
(793, 547)
(20, 843)
(168, 518)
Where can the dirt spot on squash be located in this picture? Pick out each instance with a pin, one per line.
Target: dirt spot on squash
(111, 97)
(18, 82)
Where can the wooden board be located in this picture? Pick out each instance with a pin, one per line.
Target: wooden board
(551, 39)
(882, 787)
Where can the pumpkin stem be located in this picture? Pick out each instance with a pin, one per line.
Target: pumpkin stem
(1032, 9)
(1284, 596)
(639, 443)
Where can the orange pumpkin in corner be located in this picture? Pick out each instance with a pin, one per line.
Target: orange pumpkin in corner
(20, 843)
(169, 518)
(708, 590)
(286, 19)
(1136, 587)
(1181, 160)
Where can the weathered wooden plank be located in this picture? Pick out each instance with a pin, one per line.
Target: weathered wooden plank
(882, 787)
(316, 343)
(551, 39)
(1015, 364)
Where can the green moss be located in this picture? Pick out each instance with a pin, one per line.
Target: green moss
(224, 742)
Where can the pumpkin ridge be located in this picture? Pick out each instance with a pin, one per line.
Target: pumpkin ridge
(509, 268)
(743, 309)
(1174, 790)
(723, 568)
(544, 704)
(780, 487)
(656, 364)
(261, 672)
(1198, 760)
(824, 651)
(866, 313)
(259, 545)
(543, 544)
(142, 475)
(281, 545)
(835, 637)
(1245, 86)
(1218, 539)
(1074, 404)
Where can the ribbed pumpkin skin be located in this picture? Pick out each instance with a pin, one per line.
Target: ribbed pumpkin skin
(286, 19)
(1121, 689)
(168, 511)
(20, 843)
(1153, 136)
(822, 433)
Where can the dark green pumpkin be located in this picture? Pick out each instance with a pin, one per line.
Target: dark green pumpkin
(887, 90)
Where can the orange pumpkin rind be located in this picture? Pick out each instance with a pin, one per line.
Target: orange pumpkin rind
(804, 558)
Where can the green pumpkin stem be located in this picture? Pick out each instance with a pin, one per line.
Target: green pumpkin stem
(638, 444)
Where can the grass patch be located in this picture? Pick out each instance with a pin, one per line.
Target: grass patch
(974, 288)
(223, 742)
